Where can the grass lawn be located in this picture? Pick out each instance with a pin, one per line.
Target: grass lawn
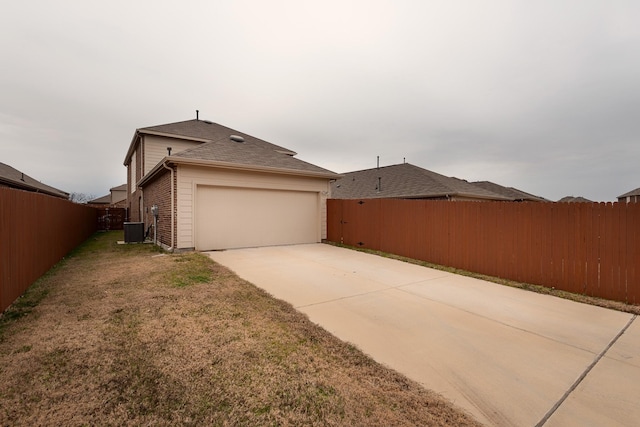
(129, 335)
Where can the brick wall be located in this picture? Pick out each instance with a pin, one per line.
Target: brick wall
(158, 192)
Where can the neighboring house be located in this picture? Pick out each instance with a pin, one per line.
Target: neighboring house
(217, 188)
(104, 201)
(10, 177)
(118, 196)
(632, 196)
(573, 199)
(407, 181)
(510, 192)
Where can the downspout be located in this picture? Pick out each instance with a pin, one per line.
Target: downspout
(164, 164)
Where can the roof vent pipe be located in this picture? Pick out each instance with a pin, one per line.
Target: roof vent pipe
(197, 114)
(378, 163)
(168, 151)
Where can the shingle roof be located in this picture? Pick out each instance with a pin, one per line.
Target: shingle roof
(405, 181)
(512, 193)
(207, 130)
(122, 187)
(249, 153)
(574, 199)
(217, 146)
(14, 178)
(635, 192)
(104, 200)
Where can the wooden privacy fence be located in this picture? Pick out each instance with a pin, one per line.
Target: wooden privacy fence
(36, 231)
(586, 248)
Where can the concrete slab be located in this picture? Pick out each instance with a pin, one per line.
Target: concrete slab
(505, 355)
(610, 394)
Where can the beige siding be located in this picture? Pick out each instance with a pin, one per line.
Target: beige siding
(233, 217)
(189, 177)
(132, 173)
(155, 149)
(118, 195)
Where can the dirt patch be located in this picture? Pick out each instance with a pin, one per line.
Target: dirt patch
(126, 335)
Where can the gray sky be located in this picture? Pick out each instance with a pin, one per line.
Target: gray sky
(539, 95)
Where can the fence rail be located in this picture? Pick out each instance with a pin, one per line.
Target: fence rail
(586, 248)
(36, 231)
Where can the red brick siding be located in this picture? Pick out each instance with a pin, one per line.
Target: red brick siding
(158, 192)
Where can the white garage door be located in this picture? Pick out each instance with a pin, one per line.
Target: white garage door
(229, 217)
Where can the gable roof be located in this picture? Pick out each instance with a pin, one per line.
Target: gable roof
(14, 178)
(122, 187)
(405, 181)
(199, 131)
(248, 153)
(219, 149)
(512, 193)
(635, 192)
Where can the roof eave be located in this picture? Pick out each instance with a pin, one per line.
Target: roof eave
(143, 131)
(233, 166)
(28, 187)
(131, 149)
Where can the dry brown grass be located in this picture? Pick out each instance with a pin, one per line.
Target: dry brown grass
(125, 335)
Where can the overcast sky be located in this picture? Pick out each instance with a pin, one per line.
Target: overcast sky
(539, 95)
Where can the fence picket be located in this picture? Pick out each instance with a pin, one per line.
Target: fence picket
(36, 231)
(582, 248)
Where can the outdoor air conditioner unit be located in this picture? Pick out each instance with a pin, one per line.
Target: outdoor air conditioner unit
(134, 232)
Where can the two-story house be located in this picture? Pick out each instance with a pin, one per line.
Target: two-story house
(209, 187)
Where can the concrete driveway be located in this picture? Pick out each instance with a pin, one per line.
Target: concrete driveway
(507, 356)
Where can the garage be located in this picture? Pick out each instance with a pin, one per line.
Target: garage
(236, 217)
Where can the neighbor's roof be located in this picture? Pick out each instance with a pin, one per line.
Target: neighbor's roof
(635, 192)
(14, 178)
(219, 149)
(512, 193)
(104, 200)
(573, 199)
(405, 181)
(122, 187)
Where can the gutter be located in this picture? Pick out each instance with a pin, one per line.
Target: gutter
(234, 166)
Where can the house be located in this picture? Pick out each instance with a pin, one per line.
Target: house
(632, 196)
(104, 201)
(574, 199)
(117, 198)
(213, 187)
(10, 177)
(408, 182)
(513, 193)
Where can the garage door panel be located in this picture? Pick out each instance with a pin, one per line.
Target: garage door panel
(229, 217)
